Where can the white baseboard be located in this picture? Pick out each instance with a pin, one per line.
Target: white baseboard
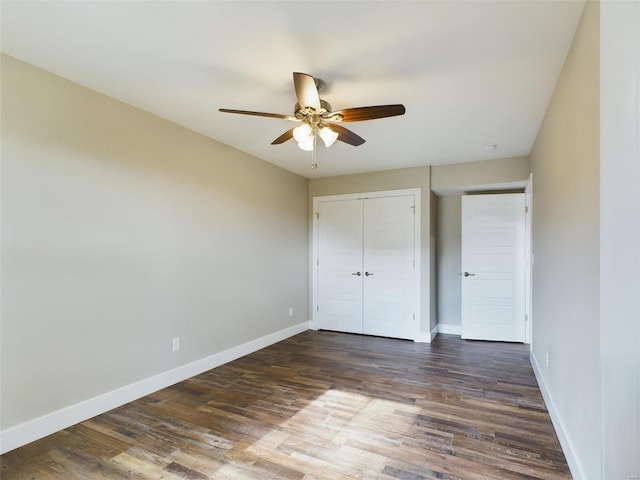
(32, 430)
(433, 334)
(447, 329)
(577, 471)
(425, 337)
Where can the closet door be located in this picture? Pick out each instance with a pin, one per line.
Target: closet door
(366, 281)
(389, 271)
(340, 266)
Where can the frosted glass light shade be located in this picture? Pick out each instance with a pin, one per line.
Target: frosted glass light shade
(302, 133)
(307, 145)
(328, 136)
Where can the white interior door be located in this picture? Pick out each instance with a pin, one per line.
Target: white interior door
(389, 274)
(339, 265)
(493, 267)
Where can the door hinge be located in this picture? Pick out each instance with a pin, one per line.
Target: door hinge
(317, 262)
(526, 209)
(526, 317)
(317, 308)
(413, 208)
(414, 316)
(414, 263)
(317, 215)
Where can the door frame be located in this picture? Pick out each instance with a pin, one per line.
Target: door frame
(362, 196)
(528, 269)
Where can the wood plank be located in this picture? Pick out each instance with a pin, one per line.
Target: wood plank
(323, 405)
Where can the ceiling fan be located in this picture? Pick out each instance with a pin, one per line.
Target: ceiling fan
(317, 119)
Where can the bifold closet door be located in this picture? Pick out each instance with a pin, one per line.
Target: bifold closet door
(366, 266)
(389, 275)
(340, 266)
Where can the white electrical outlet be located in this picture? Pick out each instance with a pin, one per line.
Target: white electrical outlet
(291, 311)
(176, 344)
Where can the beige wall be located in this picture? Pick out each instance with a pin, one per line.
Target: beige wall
(417, 177)
(565, 166)
(456, 178)
(449, 260)
(120, 231)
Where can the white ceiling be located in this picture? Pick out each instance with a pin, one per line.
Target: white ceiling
(469, 73)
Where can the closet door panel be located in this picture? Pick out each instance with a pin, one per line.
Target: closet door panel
(389, 259)
(340, 266)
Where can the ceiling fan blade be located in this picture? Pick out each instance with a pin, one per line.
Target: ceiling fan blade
(370, 113)
(259, 114)
(306, 90)
(288, 135)
(345, 135)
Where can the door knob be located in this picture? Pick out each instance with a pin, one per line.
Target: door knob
(467, 274)
(356, 273)
(368, 274)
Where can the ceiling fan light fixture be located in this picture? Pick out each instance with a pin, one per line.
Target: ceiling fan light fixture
(307, 145)
(328, 136)
(313, 113)
(303, 133)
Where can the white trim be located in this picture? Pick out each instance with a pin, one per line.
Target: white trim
(528, 279)
(416, 192)
(363, 195)
(32, 430)
(427, 337)
(447, 329)
(576, 469)
(433, 334)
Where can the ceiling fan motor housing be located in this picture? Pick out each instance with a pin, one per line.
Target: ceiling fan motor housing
(325, 107)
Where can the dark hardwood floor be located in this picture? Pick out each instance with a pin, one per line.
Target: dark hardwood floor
(323, 405)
